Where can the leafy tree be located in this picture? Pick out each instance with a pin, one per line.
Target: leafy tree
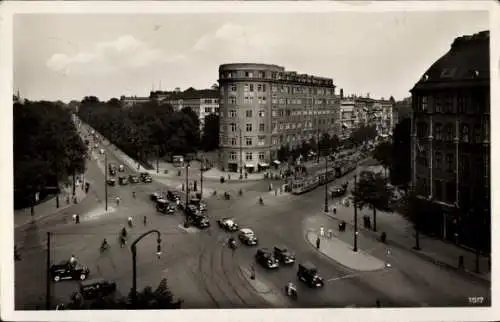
(363, 134)
(373, 191)
(210, 137)
(283, 153)
(401, 154)
(383, 154)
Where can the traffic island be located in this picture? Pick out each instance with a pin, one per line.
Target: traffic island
(343, 253)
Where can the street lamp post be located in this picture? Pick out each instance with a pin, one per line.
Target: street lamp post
(201, 178)
(187, 183)
(326, 183)
(133, 248)
(157, 160)
(355, 216)
(241, 153)
(105, 182)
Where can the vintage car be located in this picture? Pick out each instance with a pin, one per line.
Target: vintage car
(66, 271)
(133, 179)
(146, 177)
(173, 195)
(96, 288)
(247, 237)
(155, 196)
(284, 255)
(198, 220)
(198, 203)
(228, 224)
(191, 210)
(308, 274)
(164, 206)
(338, 191)
(122, 180)
(266, 258)
(111, 181)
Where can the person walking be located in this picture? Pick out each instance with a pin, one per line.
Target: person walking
(318, 241)
(145, 220)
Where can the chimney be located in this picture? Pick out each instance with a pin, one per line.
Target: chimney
(341, 93)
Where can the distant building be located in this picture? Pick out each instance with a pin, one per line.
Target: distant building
(264, 107)
(129, 101)
(402, 110)
(203, 102)
(451, 142)
(348, 117)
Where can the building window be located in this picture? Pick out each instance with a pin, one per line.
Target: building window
(438, 104)
(262, 127)
(261, 75)
(208, 110)
(438, 190)
(251, 87)
(233, 127)
(247, 74)
(233, 88)
(249, 127)
(448, 105)
(248, 141)
(250, 74)
(248, 113)
(438, 131)
(449, 162)
(461, 104)
(465, 133)
(438, 160)
(262, 156)
(248, 156)
(245, 88)
(448, 133)
(450, 192)
(232, 100)
(477, 133)
(233, 141)
(259, 88)
(422, 130)
(274, 88)
(232, 156)
(232, 113)
(423, 104)
(261, 140)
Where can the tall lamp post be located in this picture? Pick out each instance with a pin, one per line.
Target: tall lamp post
(105, 182)
(187, 183)
(326, 183)
(201, 178)
(241, 152)
(355, 215)
(134, 260)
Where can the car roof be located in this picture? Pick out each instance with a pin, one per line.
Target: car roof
(265, 250)
(281, 247)
(308, 265)
(228, 219)
(246, 231)
(95, 281)
(161, 200)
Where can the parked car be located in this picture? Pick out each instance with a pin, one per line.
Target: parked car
(284, 255)
(95, 288)
(146, 177)
(111, 182)
(247, 237)
(173, 195)
(122, 180)
(266, 258)
(228, 224)
(198, 220)
(66, 271)
(155, 196)
(133, 179)
(164, 206)
(198, 203)
(308, 273)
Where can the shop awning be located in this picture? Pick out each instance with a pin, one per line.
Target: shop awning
(263, 165)
(276, 162)
(249, 165)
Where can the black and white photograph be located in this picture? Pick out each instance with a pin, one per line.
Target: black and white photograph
(206, 157)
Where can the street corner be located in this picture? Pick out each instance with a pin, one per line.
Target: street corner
(264, 289)
(343, 253)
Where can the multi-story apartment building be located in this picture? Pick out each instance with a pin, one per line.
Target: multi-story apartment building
(264, 107)
(348, 117)
(202, 102)
(451, 142)
(402, 109)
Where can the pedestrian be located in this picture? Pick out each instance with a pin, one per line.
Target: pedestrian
(246, 175)
(318, 241)
(77, 219)
(117, 201)
(334, 210)
(252, 272)
(145, 220)
(74, 218)
(461, 261)
(72, 260)
(322, 231)
(330, 233)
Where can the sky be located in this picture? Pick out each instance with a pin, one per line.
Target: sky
(69, 56)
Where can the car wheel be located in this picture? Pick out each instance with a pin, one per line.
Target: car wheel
(57, 278)
(83, 277)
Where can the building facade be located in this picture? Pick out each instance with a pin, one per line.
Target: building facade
(129, 101)
(202, 102)
(348, 118)
(451, 142)
(264, 107)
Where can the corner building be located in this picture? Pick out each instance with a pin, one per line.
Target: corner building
(264, 107)
(451, 143)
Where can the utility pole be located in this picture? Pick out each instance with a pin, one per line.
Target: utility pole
(49, 278)
(105, 182)
(74, 181)
(157, 160)
(201, 178)
(355, 216)
(187, 185)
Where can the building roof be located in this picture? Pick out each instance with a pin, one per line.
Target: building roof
(467, 63)
(192, 93)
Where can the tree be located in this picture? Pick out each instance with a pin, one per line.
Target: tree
(373, 191)
(324, 144)
(409, 210)
(383, 154)
(401, 154)
(283, 153)
(147, 299)
(210, 136)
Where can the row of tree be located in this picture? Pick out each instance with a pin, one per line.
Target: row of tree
(361, 135)
(149, 130)
(327, 144)
(47, 149)
(147, 299)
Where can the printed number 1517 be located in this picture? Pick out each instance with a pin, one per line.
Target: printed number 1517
(476, 300)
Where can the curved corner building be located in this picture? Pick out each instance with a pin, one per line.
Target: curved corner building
(264, 107)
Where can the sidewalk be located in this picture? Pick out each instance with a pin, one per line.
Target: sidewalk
(47, 208)
(400, 232)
